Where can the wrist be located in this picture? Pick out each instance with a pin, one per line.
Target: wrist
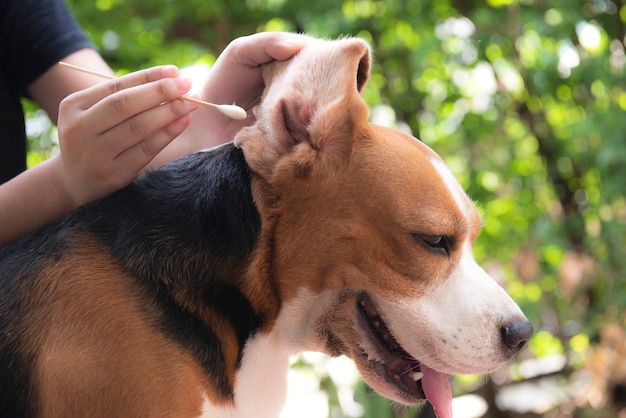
(33, 199)
(59, 186)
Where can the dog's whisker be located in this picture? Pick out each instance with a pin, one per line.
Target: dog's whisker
(411, 369)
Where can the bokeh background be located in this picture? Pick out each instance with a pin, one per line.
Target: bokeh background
(526, 102)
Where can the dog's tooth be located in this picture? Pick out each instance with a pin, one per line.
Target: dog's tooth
(417, 376)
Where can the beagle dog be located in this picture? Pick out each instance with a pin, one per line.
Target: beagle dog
(185, 294)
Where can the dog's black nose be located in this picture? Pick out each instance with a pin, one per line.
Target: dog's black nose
(516, 334)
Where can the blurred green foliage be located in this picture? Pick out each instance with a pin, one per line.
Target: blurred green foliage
(524, 99)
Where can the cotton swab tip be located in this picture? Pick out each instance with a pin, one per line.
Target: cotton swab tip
(233, 111)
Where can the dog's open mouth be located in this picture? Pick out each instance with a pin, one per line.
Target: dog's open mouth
(412, 380)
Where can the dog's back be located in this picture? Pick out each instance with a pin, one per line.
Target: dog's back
(104, 285)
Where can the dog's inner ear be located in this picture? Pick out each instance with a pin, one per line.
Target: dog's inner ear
(363, 72)
(331, 98)
(312, 99)
(297, 119)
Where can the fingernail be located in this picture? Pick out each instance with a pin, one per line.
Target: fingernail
(183, 83)
(170, 71)
(292, 42)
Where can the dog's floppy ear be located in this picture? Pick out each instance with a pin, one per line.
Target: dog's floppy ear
(311, 111)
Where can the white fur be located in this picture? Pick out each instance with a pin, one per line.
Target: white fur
(206, 407)
(455, 326)
(454, 187)
(261, 383)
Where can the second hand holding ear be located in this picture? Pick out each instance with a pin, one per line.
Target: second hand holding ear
(236, 77)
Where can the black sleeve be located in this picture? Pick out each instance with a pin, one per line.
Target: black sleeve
(36, 34)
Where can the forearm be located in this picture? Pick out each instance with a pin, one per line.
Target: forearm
(31, 200)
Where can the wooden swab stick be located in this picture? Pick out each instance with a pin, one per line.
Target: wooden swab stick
(232, 111)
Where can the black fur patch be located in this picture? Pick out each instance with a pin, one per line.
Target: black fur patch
(184, 232)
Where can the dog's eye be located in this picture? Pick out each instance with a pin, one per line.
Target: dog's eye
(438, 243)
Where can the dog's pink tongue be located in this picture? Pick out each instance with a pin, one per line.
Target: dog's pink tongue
(437, 390)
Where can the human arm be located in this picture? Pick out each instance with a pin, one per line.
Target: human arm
(57, 82)
(107, 132)
(88, 168)
(235, 78)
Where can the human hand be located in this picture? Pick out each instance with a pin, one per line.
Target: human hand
(109, 132)
(236, 78)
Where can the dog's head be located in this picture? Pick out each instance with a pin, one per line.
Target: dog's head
(371, 222)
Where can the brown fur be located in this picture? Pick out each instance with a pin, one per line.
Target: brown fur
(125, 366)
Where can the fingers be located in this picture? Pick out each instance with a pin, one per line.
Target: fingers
(143, 152)
(131, 101)
(285, 47)
(100, 91)
(101, 164)
(139, 128)
(261, 48)
(236, 78)
(109, 104)
(236, 75)
(110, 131)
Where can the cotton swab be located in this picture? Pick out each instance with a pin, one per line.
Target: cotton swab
(232, 111)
